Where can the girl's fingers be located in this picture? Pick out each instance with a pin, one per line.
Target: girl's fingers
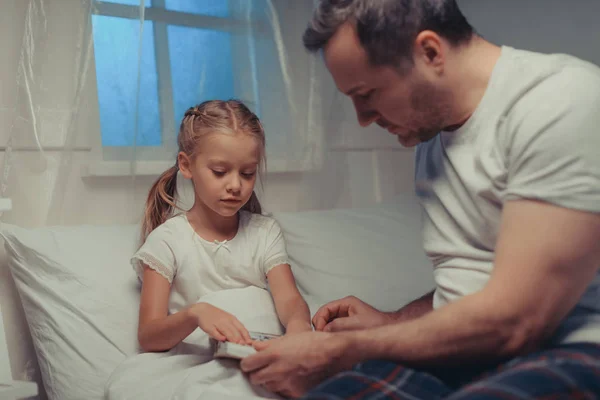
(243, 331)
(217, 334)
(232, 333)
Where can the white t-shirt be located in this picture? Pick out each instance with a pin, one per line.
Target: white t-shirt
(196, 267)
(535, 135)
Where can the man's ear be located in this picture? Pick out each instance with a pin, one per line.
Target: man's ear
(429, 50)
(185, 165)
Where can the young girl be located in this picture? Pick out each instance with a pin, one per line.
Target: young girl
(222, 242)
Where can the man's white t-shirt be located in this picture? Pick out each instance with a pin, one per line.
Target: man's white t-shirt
(196, 267)
(534, 135)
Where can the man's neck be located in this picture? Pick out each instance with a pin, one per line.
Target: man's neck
(473, 65)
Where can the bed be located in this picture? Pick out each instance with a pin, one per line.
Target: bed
(80, 295)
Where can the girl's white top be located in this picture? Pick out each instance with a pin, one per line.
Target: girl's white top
(196, 267)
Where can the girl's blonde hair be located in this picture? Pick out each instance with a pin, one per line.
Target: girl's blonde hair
(206, 118)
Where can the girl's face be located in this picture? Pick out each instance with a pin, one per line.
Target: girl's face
(223, 172)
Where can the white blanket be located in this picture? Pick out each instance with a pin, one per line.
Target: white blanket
(189, 371)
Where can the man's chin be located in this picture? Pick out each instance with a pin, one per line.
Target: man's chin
(409, 142)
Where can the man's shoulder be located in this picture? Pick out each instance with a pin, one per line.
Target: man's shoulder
(546, 63)
(570, 79)
(541, 88)
(538, 78)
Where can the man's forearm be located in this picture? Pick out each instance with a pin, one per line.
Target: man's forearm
(415, 309)
(460, 331)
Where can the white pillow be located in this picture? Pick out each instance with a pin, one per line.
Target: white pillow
(81, 301)
(375, 254)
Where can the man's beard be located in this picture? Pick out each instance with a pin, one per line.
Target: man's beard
(431, 107)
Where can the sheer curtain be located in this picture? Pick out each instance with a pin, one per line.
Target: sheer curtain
(93, 93)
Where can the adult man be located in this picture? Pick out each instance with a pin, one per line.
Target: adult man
(508, 172)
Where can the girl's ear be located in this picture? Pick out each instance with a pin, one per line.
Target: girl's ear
(185, 165)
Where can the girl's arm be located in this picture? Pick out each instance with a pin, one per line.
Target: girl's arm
(293, 311)
(158, 331)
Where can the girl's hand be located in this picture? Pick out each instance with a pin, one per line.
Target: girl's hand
(220, 325)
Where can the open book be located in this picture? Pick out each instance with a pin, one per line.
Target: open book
(239, 351)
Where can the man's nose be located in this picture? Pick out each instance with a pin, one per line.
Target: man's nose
(365, 115)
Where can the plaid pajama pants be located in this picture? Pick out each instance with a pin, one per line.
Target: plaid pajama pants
(562, 372)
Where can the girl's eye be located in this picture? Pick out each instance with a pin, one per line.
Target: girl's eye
(218, 173)
(248, 174)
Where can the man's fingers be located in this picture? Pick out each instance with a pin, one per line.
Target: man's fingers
(320, 317)
(261, 345)
(265, 376)
(257, 361)
(319, 322)
(342, 324)
(328, 312)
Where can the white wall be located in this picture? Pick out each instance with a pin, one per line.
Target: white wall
(554, 26)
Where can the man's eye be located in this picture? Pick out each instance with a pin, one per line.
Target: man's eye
(366, 96)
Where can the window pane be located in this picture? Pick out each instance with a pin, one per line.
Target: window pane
(201, 67)
(116, 44)
(214, 8)
(147, 3)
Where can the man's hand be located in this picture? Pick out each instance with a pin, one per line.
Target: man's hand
(348, 314)
(292, 365)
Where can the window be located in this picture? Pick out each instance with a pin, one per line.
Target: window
(188, 51)
(184, 57)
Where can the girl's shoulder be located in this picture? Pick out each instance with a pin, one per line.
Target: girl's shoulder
(171, 228)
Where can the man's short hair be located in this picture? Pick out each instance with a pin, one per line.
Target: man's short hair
(387, 29)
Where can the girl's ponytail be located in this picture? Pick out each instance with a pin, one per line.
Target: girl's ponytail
(161, 201)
